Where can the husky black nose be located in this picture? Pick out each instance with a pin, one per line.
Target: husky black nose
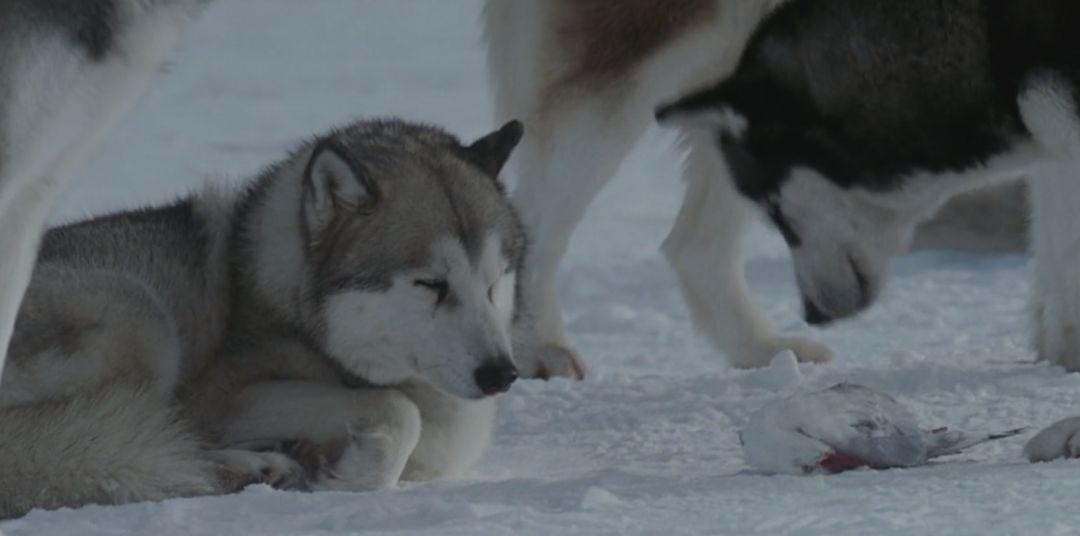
(814, 315)
(495, 376)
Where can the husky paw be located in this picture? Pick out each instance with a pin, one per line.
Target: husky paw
(546, 361)
(237, 469)
(1059, 440)
(373, 451)
(365, 464)
(806, 350)
(760, 355)
(1057, 334)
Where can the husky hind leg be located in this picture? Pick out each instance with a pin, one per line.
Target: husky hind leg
(79, 330)
(567, 157)
(58, 103)
(704, 248)
(574, 142)
(117, 445)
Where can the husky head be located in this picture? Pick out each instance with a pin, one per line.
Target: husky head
(848, 123)
(412, 252)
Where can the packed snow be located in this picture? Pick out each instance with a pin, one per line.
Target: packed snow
(648, 443)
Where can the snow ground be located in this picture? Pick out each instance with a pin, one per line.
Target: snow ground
(648, 443)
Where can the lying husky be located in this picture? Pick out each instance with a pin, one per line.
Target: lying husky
(585, 76)
(353, 302)
(68, 70)
(849, 121)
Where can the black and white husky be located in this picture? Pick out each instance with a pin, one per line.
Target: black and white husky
(849, 121)
(585, 76)
(68, 70)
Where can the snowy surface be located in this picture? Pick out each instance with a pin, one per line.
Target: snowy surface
(648, 443)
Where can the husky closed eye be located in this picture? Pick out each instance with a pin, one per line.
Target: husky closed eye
(439, 286)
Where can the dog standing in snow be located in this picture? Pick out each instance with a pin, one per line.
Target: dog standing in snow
(352, 306)
(850, 121)
(585, 75)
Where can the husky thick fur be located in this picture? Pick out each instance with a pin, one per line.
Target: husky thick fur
(68, 70)
(585, 76)
(848, 122)
(350, 308)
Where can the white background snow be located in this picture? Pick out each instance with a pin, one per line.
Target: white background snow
(648, 443)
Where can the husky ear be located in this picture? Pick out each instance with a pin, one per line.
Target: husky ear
(708, 109)
(332, 185)
(491, 152)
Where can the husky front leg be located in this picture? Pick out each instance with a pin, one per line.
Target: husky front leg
(705, 250)
(1055, 198)
(575, 138)
(21, 223)
(1049, 109)
(364, 436)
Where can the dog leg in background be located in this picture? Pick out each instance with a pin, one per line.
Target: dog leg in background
(1049, 110)
(49, 130)
(705, 250)
(566, 158)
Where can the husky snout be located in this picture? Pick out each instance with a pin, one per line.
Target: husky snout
(494, 376)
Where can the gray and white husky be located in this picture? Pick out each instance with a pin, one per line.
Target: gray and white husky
(585, 76)
(849, 121)
(352, 305)
(68, 70)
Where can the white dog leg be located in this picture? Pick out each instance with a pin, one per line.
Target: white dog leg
(58, 106)
(705, 250)
(1050, 113)
(237, 469)
(563, 163)
(1055, 197)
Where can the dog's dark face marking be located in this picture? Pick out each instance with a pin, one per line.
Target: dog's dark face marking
(846, 118)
